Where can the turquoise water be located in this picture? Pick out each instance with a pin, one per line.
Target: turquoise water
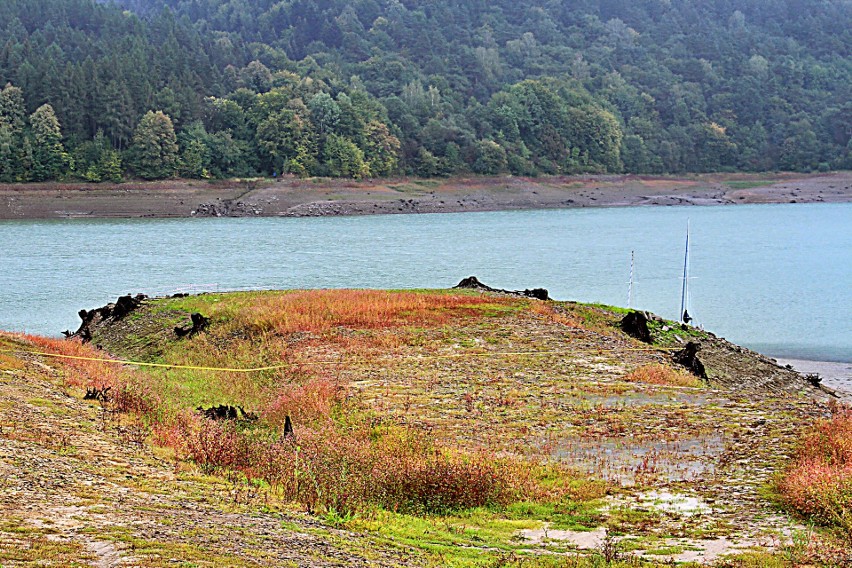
(777, 278)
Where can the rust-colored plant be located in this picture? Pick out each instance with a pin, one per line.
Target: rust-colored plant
(305, 403)
(657, 374)
(818, 483)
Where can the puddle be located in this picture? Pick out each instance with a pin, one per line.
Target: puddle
(583, 540)
(683, 549)
(622, 461)
(674, 503)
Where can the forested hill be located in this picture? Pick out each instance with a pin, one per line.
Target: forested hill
(377, 87)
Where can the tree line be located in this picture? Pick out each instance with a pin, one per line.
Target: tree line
(223, 88)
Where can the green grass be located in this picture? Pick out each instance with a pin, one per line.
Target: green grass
(669, 337)
(749, 184)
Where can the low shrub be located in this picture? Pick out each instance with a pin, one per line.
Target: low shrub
(657, 374)
(328, 467)
(305, 403)
(818, 483)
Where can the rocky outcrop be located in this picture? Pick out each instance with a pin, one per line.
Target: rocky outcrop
(473, 283)
(106, 314)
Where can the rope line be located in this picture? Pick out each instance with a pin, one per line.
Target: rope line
(285, 365)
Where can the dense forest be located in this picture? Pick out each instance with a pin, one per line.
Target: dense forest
(221, 88)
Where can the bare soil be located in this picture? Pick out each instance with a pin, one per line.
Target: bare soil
(290, 197)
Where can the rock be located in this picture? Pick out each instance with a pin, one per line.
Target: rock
(473, 283)
(635, 324)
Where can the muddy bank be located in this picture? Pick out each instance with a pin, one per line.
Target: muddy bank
(326, 197)
(837, 376)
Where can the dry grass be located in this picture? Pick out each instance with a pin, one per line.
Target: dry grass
(341, 458)
(657, 374)
(318, 311)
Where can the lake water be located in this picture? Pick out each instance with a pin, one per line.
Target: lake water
(776, 278)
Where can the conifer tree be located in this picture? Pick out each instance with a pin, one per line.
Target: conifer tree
(12, 113)
(48, 153)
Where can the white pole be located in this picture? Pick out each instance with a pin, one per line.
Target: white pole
(630, 286)
(684, 294)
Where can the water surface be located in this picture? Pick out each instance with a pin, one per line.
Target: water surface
(777, 278)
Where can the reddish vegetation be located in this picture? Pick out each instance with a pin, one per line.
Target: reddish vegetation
(321, 310)
(329, 467)
(656, 374)
(819, 482)
(340, 459)
(84, 372)
(309, 402)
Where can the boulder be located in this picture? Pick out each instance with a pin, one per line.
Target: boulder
(473, 283)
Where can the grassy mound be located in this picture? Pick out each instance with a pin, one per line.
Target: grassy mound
(479, 429)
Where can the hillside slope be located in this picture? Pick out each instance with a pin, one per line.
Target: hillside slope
(79, 488)
(560, 428)
(381, 87)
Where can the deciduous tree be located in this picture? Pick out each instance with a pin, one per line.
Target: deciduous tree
(155, 149)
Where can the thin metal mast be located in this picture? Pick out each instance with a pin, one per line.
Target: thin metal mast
(630, 287)
(684, 294)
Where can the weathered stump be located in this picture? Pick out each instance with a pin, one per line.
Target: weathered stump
(635, 324)
(688, 357)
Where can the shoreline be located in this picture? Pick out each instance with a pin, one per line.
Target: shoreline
(836, 376)
(291, 197)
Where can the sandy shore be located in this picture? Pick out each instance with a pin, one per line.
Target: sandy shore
(327, 197)
(837, 376)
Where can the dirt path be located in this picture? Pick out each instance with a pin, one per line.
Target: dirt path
(74, 489)
(327, 197)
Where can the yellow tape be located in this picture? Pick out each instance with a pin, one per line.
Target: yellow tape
(282, 366)
(141, 364)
